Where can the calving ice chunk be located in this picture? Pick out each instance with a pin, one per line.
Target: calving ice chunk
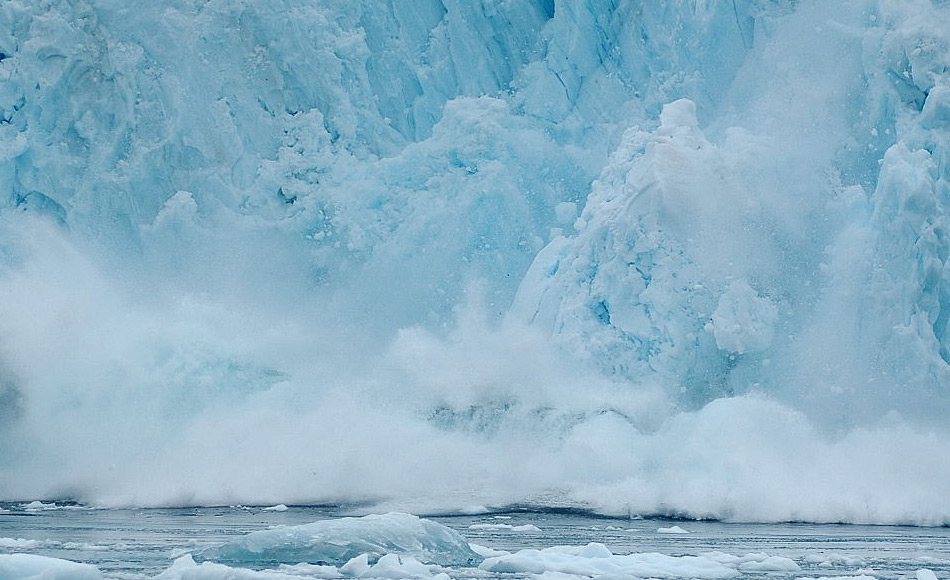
(656, 283)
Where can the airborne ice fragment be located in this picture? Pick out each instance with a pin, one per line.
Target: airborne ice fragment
(338, 541)
(32, 567)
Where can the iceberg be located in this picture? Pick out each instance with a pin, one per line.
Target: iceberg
(379, 539)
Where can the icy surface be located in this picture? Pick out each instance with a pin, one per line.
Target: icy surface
(341, 542)
(677, 258)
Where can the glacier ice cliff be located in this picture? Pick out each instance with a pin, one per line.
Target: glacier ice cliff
(686, 258)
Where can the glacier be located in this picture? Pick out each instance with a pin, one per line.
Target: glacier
(686, 258)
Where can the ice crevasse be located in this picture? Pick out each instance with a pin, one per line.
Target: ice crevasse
(683, 257)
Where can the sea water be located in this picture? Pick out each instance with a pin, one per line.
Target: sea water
(142, 543)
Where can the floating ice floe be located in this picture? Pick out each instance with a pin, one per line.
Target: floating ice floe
(858, 577)
(672, 530)
(505, 527)
(389, 567)
(32, 567)
(486, 552)
(596, 560)
(36, 506)
(826, 560)
(754, 563)
(186, 568)
(339, 541)
(18, 543)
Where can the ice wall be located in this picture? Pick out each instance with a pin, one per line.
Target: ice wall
(632, 256)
